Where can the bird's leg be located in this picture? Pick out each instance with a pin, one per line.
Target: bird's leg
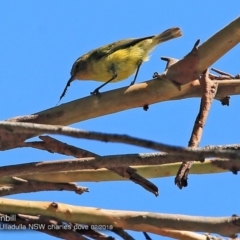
(114, 76)
(135, 77)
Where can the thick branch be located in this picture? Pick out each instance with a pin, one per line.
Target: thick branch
(138, 95)
(85, 163)
(219, 44)
(147, 165)
(146, 170)
(137, 221)
(51, 227)
(135, 96)
(156, 90)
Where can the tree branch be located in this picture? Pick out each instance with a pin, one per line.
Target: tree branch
(148, 171)
(26, 186)
(157, 90)
(137, 221)
(209, 90)
(147, 165)
(53, 145)
(33, 128)
(45, 225)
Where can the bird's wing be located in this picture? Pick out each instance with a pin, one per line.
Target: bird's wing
(112, 47)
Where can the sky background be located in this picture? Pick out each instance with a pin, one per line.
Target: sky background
(39, 42)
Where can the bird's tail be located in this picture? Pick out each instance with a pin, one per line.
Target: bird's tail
(167, 35)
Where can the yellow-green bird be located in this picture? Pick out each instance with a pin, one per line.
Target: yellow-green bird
(117, 61)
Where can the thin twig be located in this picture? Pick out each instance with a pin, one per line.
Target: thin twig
(222, 73)
(123, 234)
(147, 237)
(53, 145)
(209, 90)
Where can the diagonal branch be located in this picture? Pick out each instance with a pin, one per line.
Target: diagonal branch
(135, 96)
(186, 235)
(156, 90)
(123, 234)
(53, 145)
(89, 107)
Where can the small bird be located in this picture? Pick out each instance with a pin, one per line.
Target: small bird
(117, 61)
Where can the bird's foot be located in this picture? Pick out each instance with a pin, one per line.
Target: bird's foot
(156, 75)
(163, 75)
(96, 92)
(132, 83)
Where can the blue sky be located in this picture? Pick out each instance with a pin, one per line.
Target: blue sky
(40, 40)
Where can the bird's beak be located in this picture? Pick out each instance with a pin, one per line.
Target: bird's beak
(65, 89)
(72, 78)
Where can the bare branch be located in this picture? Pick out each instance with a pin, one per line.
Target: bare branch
(209, 90)
(134, 96)
(148, 165)
(185, 70)
(48, 171)
(123, 234)
(137, 221)
(85, 163)
(219, 44)
(54, 145)
(50, 227)
(33, 128)
(225, 75)
(26, 186)
(186, 235)
(148, 171)
(93, 163)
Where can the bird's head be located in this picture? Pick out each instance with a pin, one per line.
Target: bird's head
(79, 71)
(80, 68)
